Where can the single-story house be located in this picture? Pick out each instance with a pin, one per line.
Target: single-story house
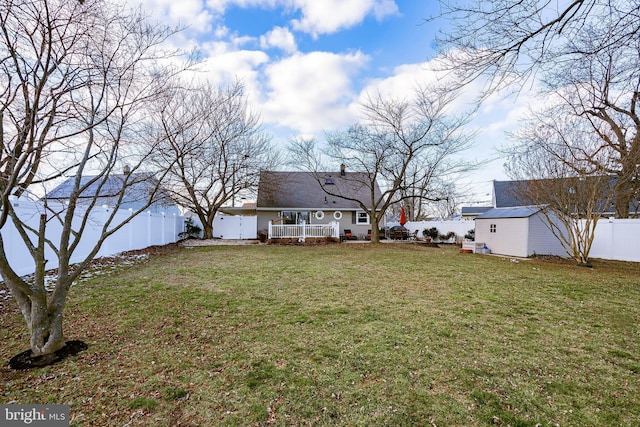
(315, 198)
(140, 186)
(517, 231)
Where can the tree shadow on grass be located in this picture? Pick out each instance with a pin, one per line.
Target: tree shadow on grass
(25, 360)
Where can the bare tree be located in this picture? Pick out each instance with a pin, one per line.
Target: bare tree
(213, 147)
(76, 81)
(436, 192)
(600, 94)
(511, 41)
(585, 54)
(400, 145)
(572, 194)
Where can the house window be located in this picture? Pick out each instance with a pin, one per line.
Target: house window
(362, 218)
(293, 217)
(288, 217)
(492, 228)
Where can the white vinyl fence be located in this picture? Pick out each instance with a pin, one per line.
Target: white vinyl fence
(615, 239)
(235, 226)
(146, 229)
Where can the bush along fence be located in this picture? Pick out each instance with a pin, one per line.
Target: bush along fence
(144, 230)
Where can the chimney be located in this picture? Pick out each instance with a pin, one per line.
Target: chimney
(342, 170)
(126, 170)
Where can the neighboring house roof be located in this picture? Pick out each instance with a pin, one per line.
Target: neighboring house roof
(302, 190)
(474, 210)
(514, 212)
(507, 194)
(112, 186)
(136, 195)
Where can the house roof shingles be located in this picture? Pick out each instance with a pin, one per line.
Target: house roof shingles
(301, 190)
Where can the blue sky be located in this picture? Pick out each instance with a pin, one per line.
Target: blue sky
(306, 63)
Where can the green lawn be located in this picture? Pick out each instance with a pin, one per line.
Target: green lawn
(359, 335)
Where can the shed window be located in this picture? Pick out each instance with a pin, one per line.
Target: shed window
(492, 228)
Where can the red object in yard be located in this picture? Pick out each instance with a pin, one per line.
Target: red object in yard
(403, 216)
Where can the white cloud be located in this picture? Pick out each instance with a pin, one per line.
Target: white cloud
(280, 38)
(318, 16)
(191, 13)
(311, 93)
(225, 64)
(330, 16)
(403, 81)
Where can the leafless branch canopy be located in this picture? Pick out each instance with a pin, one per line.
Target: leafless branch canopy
(511, 41)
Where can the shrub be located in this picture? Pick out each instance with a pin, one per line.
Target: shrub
(431, 232)
(471, 235)
(191, 230)
(449, 235)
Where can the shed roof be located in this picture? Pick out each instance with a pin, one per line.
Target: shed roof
(514, 212)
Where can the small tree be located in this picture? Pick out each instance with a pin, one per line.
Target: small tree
(191, 230)
(76, 80)
(572, 197)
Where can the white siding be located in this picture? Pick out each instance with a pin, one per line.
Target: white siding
(510, 237)
(541, 239)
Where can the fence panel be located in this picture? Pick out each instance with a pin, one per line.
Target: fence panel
(617, 239)
(235, 226)
(146, 229)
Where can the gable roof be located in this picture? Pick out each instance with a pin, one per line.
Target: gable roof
(512, 212)
(138, 186)
(301, 190)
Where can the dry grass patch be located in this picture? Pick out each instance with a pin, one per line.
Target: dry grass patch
(344, 335)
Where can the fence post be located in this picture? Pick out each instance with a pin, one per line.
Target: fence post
(148, 228)
(269, 229)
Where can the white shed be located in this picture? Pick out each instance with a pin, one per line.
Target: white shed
(517, 231)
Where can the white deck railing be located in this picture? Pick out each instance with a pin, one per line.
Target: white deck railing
(304, 231)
